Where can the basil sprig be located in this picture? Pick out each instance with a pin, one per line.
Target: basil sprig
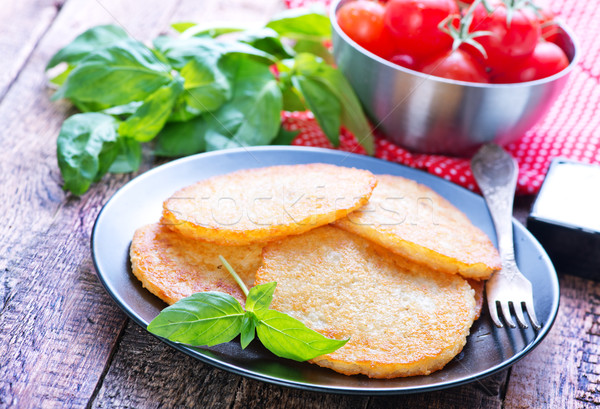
(196, 92)
(211, 318)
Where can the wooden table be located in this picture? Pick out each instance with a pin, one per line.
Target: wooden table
(65, 343)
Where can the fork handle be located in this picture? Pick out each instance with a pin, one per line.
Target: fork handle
(496, 174)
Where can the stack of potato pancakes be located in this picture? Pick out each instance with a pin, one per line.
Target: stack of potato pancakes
(379, 259)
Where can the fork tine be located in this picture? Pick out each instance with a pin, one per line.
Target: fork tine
(531, 312)
(519, 313)
(506, 313)
(493, 308)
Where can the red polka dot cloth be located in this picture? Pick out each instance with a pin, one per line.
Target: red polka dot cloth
(571, 129)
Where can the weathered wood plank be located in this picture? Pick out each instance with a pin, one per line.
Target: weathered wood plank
(146, 373)
(483, 394)
(22, 24)
(58, 325)
(564, 370)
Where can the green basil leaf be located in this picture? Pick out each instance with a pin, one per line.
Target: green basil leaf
(60, 79)
(207, 318)
(352, 116)
(289, 338)
(129, 157)
(285, 137)
(302, 23)
(248, 331)
(207, 88)
(117, 75)
(90, 106)
(86, 148)
(292, 100)
(209, 32)
(253, 115)
(181, 138)
(267, 40)
(127, 109)
(182, 26)
(260, 297)
(88, 42)
(314, 47)
(180, 51)
(150, 117)
(323, 104)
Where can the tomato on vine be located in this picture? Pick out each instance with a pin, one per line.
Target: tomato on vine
(456, 65)
(547, 59)
(363, 22)
(414, 25)
(514, 33)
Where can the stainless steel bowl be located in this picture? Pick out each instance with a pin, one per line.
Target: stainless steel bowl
(435, 115)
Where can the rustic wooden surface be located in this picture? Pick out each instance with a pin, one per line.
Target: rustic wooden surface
(64, 343)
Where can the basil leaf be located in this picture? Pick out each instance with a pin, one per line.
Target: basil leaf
(87, 42)
(267, 40)
(248, 331)
(292, 100)
(302, 23)
(323, 104)
(207, 318)
(90, 106)
(209, 32)
(86, 147)
(180, 51)
(129, 156)
(181, 138)
(127, 109)
(289, 338)
(253, 115)
(182, 26)
(316, 48)
(260, 297)
(206, 86)
(116, 75)
(352, 115)
(150, 117)
(59, 79)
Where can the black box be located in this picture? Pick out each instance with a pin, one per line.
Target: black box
(565, 217)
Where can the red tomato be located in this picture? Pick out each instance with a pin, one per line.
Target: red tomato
(405, 60)
(456, 65)
(547, 59)
(548, 25)
(362, 21)
(414, 25)
(508, 43)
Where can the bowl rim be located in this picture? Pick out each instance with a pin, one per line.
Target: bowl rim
(335, 4)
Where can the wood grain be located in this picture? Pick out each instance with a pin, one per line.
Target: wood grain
(24, 24)
(65, 343)
(564, 370)
(58, 325)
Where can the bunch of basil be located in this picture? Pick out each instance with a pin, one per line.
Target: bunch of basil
(197, 92)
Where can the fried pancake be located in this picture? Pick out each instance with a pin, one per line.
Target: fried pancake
(478, 288)
(402, 318)
(264, 204)
(412, 220)
(172, 267)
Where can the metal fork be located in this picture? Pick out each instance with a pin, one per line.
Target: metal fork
(496, 173)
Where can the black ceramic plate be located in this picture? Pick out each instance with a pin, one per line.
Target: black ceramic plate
(488, 349)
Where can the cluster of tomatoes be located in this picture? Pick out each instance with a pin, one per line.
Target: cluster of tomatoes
(513, 39)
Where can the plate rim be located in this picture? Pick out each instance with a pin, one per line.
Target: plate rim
(190, 351)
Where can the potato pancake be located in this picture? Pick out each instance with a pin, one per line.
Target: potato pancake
(172, 266)
(412, 220)
(264, 204)
(402, 318)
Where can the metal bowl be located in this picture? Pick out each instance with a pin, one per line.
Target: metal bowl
(435, 115)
